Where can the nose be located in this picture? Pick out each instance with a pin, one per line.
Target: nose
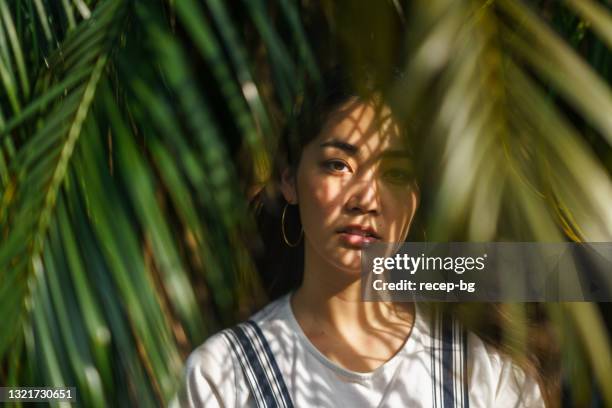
(364, 197)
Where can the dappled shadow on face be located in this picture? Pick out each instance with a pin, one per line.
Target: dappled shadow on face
(368, 182)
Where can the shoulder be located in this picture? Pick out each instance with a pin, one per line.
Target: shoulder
(210, 355)
(217, 349)
(210, 375)
(212, 371)
(496, 378)
(273, 313)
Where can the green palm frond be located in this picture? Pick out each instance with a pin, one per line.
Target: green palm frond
(501, 137)
(39, 168)
(508, 162)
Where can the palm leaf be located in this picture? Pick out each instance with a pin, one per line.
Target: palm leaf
(508, 161)
(39, 172)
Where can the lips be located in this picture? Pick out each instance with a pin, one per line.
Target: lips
(360, 230)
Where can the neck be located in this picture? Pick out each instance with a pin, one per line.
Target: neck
(330, 299)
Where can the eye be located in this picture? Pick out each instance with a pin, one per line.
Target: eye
(336, 166)
(398, 176)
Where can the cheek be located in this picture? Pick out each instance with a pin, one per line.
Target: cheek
(319, 197)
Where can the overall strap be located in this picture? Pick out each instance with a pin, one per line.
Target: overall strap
(258, 365)
(449, 363)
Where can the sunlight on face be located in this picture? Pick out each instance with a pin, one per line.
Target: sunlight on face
(355, 185)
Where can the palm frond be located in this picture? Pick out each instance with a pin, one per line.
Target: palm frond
(38, 172)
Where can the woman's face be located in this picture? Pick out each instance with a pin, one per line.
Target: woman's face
(354, 185)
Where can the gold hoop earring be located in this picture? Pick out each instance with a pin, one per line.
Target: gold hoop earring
(292, 245)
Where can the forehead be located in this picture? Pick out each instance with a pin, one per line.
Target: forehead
(368, 126)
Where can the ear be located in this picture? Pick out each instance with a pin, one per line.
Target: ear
(288, 186)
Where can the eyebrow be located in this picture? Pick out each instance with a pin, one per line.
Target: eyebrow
(352, 150)
(347, 147)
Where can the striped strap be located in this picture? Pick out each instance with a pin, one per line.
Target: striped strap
(449, 363)
(258, 365)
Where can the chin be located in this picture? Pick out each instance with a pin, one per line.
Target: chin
(354, 267)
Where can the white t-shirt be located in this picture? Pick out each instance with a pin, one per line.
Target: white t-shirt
(214, 376)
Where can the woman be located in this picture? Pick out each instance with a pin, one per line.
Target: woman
(348, 173)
